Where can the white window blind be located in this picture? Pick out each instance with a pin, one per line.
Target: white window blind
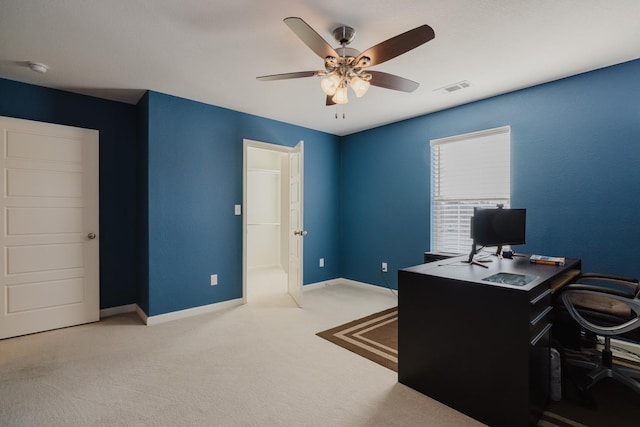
(467, 171)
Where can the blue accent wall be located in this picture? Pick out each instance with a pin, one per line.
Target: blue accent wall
(575, 168)
(143, 203)
(194, 178)
(171, 173)
(117, 125)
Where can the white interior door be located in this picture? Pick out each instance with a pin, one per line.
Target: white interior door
(296, 223)
(49, 215)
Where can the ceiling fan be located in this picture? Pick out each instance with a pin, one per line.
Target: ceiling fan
(345, 66)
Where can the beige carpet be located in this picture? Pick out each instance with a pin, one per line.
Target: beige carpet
(252, 365)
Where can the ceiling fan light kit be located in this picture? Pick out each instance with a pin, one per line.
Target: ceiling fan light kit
(340, 96)
(359, 85)
(343, 71)
(330, 84)
(345, 66)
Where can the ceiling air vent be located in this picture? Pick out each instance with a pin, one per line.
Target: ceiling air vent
(454, 87)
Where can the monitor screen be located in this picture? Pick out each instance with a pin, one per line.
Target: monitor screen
(498, 227)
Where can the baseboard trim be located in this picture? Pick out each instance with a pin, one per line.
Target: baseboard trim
(367, 286)
(195, 311)
(114, 311)
(317, 285)
(141, 314)
(189, 312)
(343, 281)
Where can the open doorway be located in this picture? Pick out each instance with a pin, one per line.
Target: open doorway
(272, 236)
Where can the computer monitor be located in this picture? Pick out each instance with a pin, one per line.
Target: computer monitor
(497, 227)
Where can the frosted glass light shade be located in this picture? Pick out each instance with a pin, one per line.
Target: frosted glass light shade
(341, 95)
(359, 86)
(330, 84)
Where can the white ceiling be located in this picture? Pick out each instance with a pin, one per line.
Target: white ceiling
(211, 51)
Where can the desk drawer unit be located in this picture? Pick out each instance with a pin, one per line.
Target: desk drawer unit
(481, 348)
(539, 356)
(540, 320)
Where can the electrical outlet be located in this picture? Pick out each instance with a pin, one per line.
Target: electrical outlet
(321, 262)
(384, 267)
(214, 279)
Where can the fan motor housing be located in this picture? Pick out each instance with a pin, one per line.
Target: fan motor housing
(347, 52)
(344, 34)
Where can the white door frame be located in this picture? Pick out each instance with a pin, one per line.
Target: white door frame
(247, 143)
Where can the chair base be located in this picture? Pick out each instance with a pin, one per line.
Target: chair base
(602, 367)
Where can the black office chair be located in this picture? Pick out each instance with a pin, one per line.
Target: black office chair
(605, 305)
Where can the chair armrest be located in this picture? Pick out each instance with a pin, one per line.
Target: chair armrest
(632, 303)
(607, 289)
(611, 283)
(615, 277)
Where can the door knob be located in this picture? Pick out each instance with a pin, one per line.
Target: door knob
(91, 236)
(300, 233)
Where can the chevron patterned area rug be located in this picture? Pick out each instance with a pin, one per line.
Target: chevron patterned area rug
(607, 404)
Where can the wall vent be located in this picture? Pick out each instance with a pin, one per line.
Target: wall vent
(453, 87)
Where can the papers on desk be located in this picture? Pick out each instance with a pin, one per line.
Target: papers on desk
(549, 260)
(511, 279)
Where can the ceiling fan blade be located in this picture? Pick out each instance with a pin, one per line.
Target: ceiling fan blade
(397, 45)
(309, 36)
(285, 76)
(391, 81)
(330, 101)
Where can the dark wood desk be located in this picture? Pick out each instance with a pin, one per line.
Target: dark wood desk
(477, 346)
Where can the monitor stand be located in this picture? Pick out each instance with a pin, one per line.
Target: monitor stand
(472, 255)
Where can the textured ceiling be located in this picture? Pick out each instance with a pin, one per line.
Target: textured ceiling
(211, 51)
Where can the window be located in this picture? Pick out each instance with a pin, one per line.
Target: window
(467, 171)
